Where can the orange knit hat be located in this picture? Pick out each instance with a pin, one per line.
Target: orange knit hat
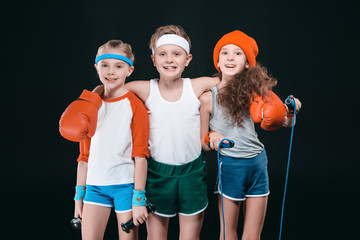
(238, 38)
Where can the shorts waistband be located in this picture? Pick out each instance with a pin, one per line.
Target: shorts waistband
(175, 170)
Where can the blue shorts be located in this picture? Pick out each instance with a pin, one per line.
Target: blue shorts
(119, 196)
(244, 177)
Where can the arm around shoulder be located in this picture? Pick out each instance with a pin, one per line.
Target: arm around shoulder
(140, 88)
(202, 84)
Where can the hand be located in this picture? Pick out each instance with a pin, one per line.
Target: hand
(78, 208)
(140, 215)
(215, 139)
(298, 107)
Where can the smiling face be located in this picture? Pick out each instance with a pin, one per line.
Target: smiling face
(113, 72)
(232, 60)
(170, 61)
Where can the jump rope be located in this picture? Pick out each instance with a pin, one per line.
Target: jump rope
(290, 103)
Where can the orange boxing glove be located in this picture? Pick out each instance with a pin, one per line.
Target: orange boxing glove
(270, 111)
(80, 117)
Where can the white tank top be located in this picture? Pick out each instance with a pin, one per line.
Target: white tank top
(174, 126)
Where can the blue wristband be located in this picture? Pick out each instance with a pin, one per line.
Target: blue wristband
(138, 198)
(80, 193)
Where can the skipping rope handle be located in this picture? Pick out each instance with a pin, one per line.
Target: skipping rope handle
(290, 102)
(225, 145)
(76, 223)
(130, 224)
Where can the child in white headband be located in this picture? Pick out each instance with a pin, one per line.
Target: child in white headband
(174, 143)
(176, 181)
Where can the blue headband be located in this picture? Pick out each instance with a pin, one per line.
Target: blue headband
(116, 56)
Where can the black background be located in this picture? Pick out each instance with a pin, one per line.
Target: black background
(311, 47)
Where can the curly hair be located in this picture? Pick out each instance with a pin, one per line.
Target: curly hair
(238, 93)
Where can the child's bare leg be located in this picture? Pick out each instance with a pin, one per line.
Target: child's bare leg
(157, 227)
(190, 226)
(123, 218)
(94, 221)
(255, 210)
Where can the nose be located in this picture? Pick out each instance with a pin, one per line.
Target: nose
(169, 59)
(230, 57)
(110, 71)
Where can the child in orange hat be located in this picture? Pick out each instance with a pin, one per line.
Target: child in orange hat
(230, 109)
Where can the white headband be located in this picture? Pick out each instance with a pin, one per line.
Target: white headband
(174, 40)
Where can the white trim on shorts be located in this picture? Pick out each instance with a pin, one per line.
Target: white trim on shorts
(243, 199)
(231, 198)
(165, 215)
(107, 205)
(195, 213)
(260, 195)
(125, 211)
(183, 214)
(99, 204)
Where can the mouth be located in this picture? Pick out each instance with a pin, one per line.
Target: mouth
(230, 65)
(169, 67)
(110, 79)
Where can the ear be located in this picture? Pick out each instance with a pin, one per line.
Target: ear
(247, 64)
(153, 60)
(188, 59)
(96, 67)
(131, 69)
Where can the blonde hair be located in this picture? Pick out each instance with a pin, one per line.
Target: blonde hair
(168, 29)
(120, 45)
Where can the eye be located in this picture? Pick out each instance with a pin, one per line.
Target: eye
(177, 54)
(119, 66)
(238, 53)
(104, 65)
(223, 52)
(162, 54)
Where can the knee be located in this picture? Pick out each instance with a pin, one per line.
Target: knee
(251, 236)
(189, 236)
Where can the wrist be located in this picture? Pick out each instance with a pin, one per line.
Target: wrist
(207, 138)
(138, 198)
(80, 192)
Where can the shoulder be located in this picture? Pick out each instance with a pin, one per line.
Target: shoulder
(135, 102)
(206, 98)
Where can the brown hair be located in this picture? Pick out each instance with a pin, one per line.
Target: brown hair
(118, 44)
(168, 29)
(238, 93)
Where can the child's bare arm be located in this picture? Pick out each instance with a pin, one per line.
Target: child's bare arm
(202, 84)
(205, 111)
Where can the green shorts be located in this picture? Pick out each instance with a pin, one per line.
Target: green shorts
(177, 188)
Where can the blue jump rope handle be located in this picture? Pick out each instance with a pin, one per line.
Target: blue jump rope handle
(290, 102)
(225, 145)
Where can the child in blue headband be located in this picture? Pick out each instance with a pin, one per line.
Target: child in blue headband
(112, 170)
